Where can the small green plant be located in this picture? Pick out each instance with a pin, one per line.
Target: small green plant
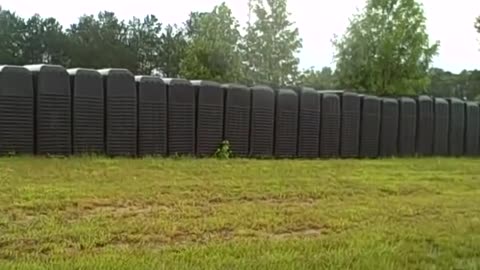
(223, 151)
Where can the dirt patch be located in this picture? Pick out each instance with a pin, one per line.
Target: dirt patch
(269, 200)
(298, 234)
(108, 208)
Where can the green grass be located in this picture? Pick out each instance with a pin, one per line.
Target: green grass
(99, 213)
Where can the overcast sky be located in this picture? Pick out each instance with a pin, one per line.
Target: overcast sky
(450, 22)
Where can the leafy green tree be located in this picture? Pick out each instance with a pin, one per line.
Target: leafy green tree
(12, 28)
(320, 80)
(271, 44)
(386, 49)
(144, 41)
(212, 51)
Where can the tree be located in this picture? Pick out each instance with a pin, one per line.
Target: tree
(271, 44)
(12, 28)
(477, 24)
(44, 42)
(213, 51)
(466, 84)
(443, 83)
(386, 49)
(320, 80)
(100, 42)
(144, 41)
(172, 49)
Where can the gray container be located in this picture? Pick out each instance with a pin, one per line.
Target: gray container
(425, 126)
(88, 108)
(330, 126)
(120, 112)
(152, 116)
(309, 123)
(370, 127)
(181, 117)
(53, 129)
(286, 123)
(472, 129)
(407, 128)
(210, 109)
(457, 127)
(389, 128)
(350, 131)
(441, 127)
(262, 121)
(16, 111)
(237, 118)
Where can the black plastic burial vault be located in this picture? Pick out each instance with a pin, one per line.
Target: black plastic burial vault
(210, 109)
(16, 111)
(152, 116)
(286, 123)
(309, 123)
(407, 127)
(237, 118)
(472, 129)
(181, 117)
(370, 127)
(262, 121)
(87, 111)
(330, 126)
(425, 126)
(53, 130)
(389, 127)
(441, 127)
(350, 131)
(457, 127)
(120, 112)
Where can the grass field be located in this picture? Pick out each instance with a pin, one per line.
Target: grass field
(99, 213)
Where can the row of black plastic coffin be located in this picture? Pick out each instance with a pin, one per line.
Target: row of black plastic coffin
(46, 109)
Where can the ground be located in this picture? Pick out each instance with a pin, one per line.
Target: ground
(100, 213)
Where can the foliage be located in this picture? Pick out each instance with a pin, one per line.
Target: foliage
(144, 39)
(12, 30)
(320, 80)
(477, 24)
(101, 42)
(224, 151)
(93, 42)
(171, 52)
(101, 213)
(212, 51)
(271, 44)
(463, 85)
(36, 40)
(386, 49)
(44, 42)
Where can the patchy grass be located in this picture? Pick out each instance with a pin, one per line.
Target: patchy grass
(99, 213)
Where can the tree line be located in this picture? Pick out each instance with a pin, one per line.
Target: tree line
(384, 51)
